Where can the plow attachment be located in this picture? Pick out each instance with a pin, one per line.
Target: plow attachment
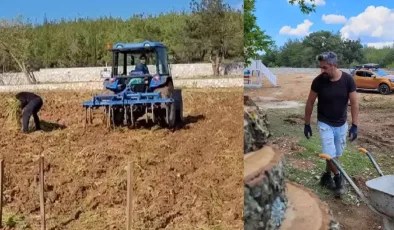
(126, 107)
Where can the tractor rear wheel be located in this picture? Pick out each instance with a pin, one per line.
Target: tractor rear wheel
(171, 115)
(177, 95)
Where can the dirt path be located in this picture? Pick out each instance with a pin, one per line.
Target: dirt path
(187, 179)
(375, 133)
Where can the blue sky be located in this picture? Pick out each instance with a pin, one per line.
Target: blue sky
(370, 20)
(35, 10)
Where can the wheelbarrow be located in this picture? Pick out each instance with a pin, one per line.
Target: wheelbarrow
(381, 200)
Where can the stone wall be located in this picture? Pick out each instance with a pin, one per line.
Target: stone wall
(96, 85)
(92, 74)
(179, 71)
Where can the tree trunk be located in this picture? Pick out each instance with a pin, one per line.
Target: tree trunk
(256, 124)
(216, 62)
(29, 75)
(265, 190)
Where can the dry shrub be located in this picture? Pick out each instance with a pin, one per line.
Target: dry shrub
(13, 114)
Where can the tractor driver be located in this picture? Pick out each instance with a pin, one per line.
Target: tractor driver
(142, 65)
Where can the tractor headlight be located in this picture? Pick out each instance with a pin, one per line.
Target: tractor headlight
(391, 80)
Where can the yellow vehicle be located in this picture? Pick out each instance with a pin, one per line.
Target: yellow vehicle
(370, 77)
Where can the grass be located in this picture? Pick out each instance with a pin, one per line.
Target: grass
(352, 161)
(15, 221)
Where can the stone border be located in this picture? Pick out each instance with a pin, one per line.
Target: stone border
(88, 86)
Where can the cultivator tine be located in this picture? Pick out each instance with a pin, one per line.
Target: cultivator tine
(90, 115)
(167, 114)
(112, 117)
(132, 123)
(125, 115)
(146, 115)
(109, 117)
(104, 120)
(86, 118)
(153, 114)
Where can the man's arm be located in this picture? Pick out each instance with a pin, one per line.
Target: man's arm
(354, 107)
(352, 87)
(309, 106)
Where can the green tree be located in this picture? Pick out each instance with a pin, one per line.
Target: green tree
(81, 42)
(255, 39)
(352, 51)
(15, 42)
(210, 21)
(303, 52)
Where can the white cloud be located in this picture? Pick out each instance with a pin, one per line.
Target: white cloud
(380, 45)
(333, 19)
(376, 22)
(309, 2)
(302, 29)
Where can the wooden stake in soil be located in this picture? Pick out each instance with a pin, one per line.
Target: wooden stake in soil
(1, 191)
(129, 195)
(42, 201)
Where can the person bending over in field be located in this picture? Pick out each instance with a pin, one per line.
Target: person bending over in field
(30, 104)
(334, 89)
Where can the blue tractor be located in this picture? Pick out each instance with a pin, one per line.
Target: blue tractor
(137, 90)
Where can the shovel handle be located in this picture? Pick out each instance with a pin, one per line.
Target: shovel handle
(324, 156)
(363, 150)
(366, 152)
(344, 174)
(354, 186)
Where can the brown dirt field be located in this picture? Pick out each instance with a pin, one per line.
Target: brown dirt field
(187, 179)
(375, 115)
(376, 132)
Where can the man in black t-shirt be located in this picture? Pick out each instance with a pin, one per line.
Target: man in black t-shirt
(30, 104)
(333, 89)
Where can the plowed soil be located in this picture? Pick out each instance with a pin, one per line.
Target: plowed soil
(190, 178)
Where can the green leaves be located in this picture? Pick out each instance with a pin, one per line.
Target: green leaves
(302, 53)
(81, 42)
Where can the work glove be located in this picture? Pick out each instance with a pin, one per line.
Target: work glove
(353, 132)
(307, 131)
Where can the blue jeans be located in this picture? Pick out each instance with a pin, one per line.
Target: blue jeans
(333, 138)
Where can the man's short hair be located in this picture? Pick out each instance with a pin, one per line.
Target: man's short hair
(143, 56)
(330, 57)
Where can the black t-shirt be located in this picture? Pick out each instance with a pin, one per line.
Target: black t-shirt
(333, 98)
(26, 97)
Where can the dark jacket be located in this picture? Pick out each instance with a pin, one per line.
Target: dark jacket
(26, 97)
(142, 67)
